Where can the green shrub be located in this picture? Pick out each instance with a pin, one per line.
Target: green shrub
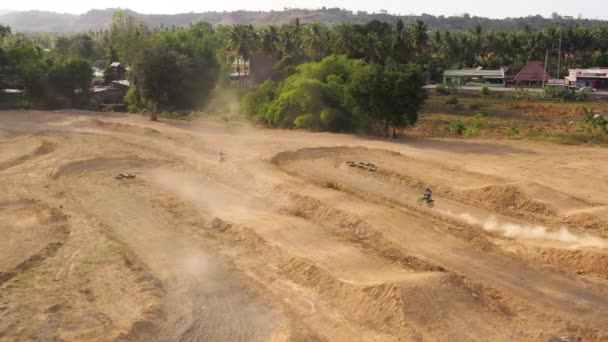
(451, 100)
(593, 122)
(582, 94)
(332, 185)
(307, 121)
(475, 106)
(511, 131)
(24, 103)
(485, 90)
(476, 126)
(116, 107)
(442, 90)
(458, 127)
(340, 94)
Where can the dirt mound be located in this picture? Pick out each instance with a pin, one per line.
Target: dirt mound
(509, 197)
(578, 261)
(325, 152)
(33, 148)
(588, 221)
(406, 308)
(341, 223)
(31, 232)
(124, 128)
(81, 167)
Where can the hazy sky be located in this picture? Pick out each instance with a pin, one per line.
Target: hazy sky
(487, 8)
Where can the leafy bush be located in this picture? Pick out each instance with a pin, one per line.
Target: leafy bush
(558, 93)
(593, 122)
(582, 94)
(117, 107)
(485, 90)
(475, 106)
(451, 100)
(339, 94)
(476, 126)
(442, 90)
(332, 185)
(308, 121)
(511, 131)
(458, 127)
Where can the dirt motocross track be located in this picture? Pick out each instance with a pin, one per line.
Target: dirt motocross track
(285, 241)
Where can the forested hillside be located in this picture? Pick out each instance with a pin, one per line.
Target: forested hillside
(38, 21)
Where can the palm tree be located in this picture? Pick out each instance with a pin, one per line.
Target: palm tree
(314, 41)
(478, 40)
(420, 37)
(399, 41)
(242, 40)
(269, 40)
(372, 49)
(344, 40)
(289, 38)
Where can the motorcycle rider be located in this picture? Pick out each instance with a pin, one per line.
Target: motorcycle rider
(220, 157)
(428, 194)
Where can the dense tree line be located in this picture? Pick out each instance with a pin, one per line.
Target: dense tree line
(340, 94)
(38, 21)
(375, 72)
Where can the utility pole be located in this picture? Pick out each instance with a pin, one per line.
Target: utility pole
(559, 54)
(545, 70)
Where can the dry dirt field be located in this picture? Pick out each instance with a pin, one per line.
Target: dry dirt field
(286, 242)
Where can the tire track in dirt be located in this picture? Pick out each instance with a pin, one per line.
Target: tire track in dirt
(190, 277)
(45, 147)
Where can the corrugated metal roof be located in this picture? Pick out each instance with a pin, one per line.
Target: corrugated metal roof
(474, 73)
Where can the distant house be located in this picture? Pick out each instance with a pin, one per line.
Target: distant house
(596, 78)
(117, 71)
(98, 77)
(476, 76)
(9, 98)
(532, 75)
(257, 69)
(113, 93)
(239, 68)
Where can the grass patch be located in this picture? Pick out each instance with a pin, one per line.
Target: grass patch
(187, 115)
(97, 257)
(579, 138)
(332, 185)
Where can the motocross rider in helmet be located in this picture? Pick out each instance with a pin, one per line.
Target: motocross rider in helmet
(428, 193)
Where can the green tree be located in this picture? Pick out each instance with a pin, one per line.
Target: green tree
(419, 38)
(64, 77)
(344, 39)
(269, 41)
(314, 41)
(242, 40)
(4, 31)
(203, 67)
(82, 46)
(30, 69)
(159, 71)
(391, 96)
(129, 37)
(399, 41)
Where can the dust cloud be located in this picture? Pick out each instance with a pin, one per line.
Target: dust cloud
(534, 232)
(216, 198)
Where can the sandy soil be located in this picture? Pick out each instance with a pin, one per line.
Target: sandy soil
(286, 242)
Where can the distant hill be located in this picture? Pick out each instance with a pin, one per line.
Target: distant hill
(39, 21)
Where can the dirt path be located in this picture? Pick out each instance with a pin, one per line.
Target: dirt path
(285, 242)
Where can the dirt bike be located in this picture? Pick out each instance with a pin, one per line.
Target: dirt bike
(425, 200)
